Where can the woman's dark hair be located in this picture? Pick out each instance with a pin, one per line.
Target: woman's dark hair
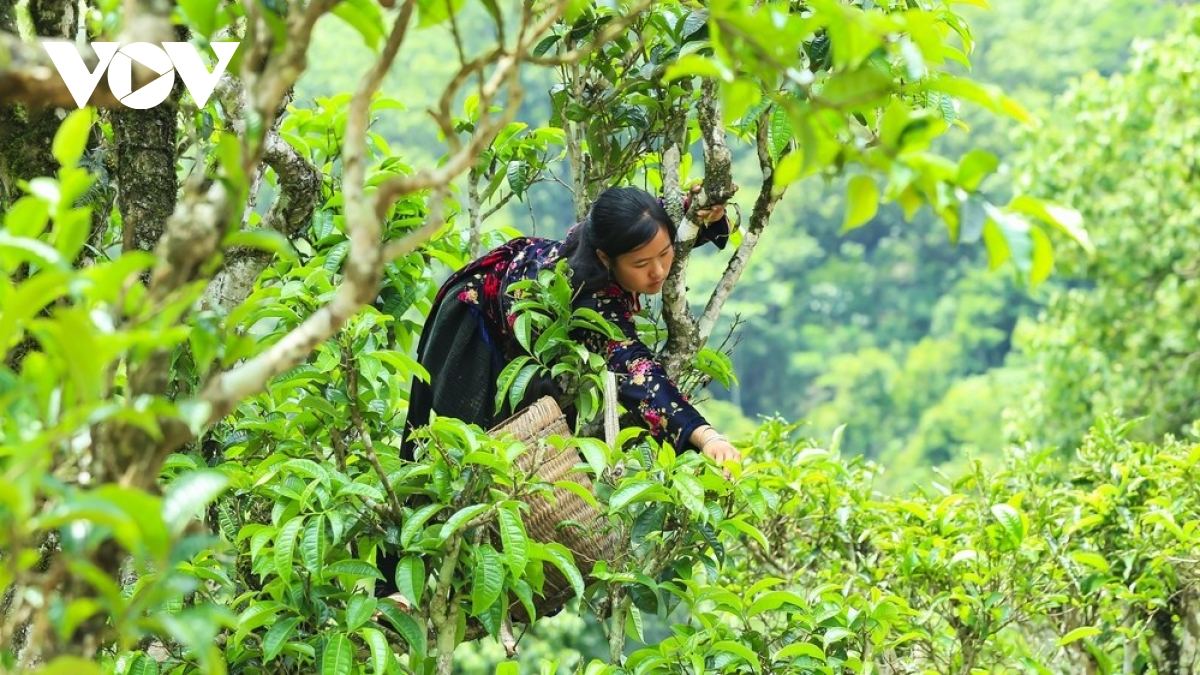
(620, 220)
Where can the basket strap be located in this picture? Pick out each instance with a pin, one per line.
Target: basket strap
(610, 408)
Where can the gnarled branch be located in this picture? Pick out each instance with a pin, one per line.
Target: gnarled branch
(685, 334)
(299, 190)
(764, 205)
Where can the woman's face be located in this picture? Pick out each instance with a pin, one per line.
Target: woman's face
(645, 268)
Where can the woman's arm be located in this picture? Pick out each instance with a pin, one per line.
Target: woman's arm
(643, 384)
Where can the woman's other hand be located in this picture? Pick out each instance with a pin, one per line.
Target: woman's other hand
(708, 214)
(711, 214)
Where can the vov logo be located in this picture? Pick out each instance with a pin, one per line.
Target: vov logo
(170, 58)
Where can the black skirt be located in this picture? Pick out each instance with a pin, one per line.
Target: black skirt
(463, 365)
(459, 352)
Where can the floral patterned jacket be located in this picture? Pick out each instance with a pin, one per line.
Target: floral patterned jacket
(642, 383)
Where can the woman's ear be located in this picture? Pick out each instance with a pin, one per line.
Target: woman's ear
(604, 259)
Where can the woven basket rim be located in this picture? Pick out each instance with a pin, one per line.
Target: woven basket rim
(543, 402)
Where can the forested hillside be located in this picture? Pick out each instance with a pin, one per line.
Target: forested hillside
(905, 339)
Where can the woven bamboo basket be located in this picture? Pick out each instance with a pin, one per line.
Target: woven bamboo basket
(564, 518)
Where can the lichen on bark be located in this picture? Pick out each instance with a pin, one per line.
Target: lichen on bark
(146, 177)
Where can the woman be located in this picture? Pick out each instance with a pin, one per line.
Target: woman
(624, 248)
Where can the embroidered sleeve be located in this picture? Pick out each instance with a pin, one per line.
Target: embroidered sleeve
(642, 383)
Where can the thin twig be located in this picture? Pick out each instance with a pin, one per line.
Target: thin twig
(460, 161)
(611, 30)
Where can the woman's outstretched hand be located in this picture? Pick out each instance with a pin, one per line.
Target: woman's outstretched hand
(720, 451)
(715, 446)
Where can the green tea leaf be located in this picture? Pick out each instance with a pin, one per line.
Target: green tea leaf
(263, 239)
(359, 610)
(739, 525)
(637, 491)
(799, 649)
(381, 651)
(433, 12)
(513, 538)
(406, 626)
(1010, 520)
(1042, 258)
(974, 167)
(1090, 559)
(461, 518)
(416, 522)
(691, 494)
(523, 330)
(277, 637)
(740, 650)
(488, 579)
(1078, 634)
(558, 555)
(410, 578)
(1066, 219)
(579, 491)
(285, 546)
(595, 452)
(72, 136)
(695, 65)
(201, 15)
(189, 494)
(363, 16)
(504, 382)
(27, 218)
(142, 665)
(313, 544)
(338, 655)
(773, 600)
(33, 250)
(355, 568)
(520, 384)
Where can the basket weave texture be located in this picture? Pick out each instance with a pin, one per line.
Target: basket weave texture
(564, 517)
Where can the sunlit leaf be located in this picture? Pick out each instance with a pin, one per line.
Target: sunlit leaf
(72, 136)
(862, 201)
(1078, 634)
(189, 494)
